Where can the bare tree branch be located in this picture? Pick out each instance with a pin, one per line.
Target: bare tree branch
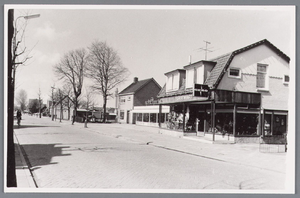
(72, 68)
(105, 69)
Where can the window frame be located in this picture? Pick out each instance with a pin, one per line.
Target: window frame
(266, 88)
(235, 68)
(286, 82)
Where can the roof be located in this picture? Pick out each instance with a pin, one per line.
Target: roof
(176, 70)
(136, 86)
(224, 61)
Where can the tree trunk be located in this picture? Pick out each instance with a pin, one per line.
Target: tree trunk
(104, 108)
(11, 165)
(75, 110)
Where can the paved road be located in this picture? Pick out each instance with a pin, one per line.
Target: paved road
(103, 156)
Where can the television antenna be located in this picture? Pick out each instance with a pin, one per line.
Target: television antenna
(206, 49)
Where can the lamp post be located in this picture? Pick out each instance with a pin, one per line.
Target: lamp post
(15, 45)
(11, 64)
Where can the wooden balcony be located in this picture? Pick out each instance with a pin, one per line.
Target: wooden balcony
(225, 96)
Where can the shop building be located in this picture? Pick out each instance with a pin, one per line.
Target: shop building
(242, 95)
(136, 94)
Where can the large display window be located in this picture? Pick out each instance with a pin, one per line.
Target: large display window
(247, 124)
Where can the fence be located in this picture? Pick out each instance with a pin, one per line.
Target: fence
(273, 144)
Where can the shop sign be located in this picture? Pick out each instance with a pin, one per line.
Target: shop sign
(151, 101)
(200, 90)
(182, 98)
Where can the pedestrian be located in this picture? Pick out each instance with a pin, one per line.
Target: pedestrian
(19, 117)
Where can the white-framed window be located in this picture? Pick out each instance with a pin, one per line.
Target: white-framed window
(234, 72)
(286, 79)
(129, 98)
(262, 77)
(173, 82)
(122, 100)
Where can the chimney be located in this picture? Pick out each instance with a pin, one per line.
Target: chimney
(135, 79)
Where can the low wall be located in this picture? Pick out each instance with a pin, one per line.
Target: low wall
(147, 124)
(218, 137)
(254, 139)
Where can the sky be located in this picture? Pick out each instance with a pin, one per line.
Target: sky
(149, 40)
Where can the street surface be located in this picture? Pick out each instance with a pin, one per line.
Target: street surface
(121, 156)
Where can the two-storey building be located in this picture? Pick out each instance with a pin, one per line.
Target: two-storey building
(242, 94)
(136, 94)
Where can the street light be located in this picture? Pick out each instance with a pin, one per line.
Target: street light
(12, 33)
(15, 43)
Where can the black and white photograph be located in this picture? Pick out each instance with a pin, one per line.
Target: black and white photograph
(149, 99)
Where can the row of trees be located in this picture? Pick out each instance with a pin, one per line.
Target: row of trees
(100, 62)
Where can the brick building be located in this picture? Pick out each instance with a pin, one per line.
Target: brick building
(243, 94)
(136, 94)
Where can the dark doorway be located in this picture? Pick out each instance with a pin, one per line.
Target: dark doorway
(128, 113)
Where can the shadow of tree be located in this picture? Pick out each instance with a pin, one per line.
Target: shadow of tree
(41, 154)
(31, 126)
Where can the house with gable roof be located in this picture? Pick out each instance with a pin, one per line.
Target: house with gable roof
(240, 96)
(136, 94)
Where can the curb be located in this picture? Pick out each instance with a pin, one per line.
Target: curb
(23, 174)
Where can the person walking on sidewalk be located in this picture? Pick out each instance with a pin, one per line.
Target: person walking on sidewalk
(19, 117)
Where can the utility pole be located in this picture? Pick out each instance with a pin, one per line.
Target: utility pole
(52, 98)
(11, 165)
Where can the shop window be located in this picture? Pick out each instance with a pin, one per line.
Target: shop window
(162, 118)
(122, 115)
(223, 123)
(153, 117)
(247, 124)
(139, 117)
(145, 117)
(279, 125)
(234, 73)
(261, 77)
(267, 125)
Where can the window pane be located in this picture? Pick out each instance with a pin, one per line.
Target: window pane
(260, 80)
(146, 117)
(162, 118)
(139, 117)
(234, 72)
(286, 78)
(153, 117)
(261, 68)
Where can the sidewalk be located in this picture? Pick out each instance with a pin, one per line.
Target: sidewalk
(23, 175)
(239, 154)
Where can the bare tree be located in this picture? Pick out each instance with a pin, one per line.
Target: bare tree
(71, 68)
(88, 99)
(106, 70)
(22, 99)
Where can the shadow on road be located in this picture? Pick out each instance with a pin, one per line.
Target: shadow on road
(42, 154)
(31, 126)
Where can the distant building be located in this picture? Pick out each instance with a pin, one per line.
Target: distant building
(243, 94)
(136, 94)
